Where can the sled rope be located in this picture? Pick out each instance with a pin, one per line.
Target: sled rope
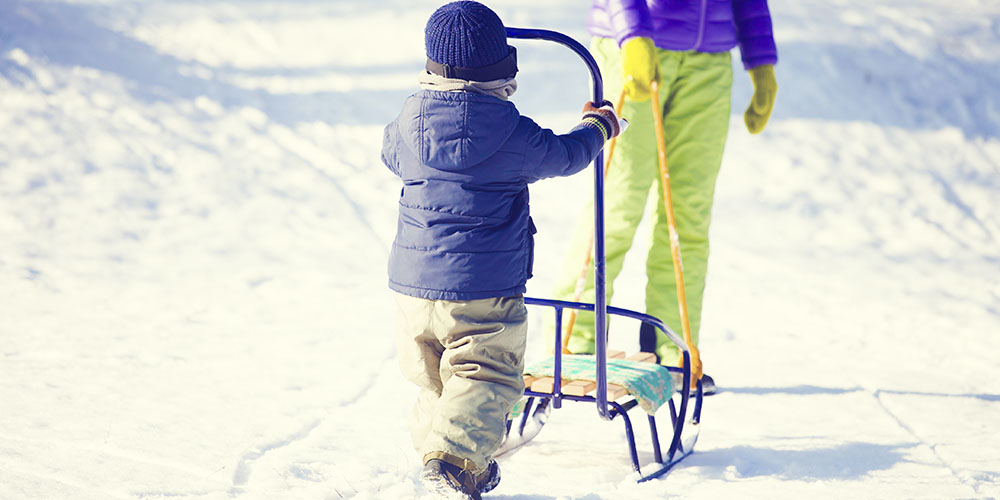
(675, 245)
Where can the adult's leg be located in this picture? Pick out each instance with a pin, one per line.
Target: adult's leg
(696, 123)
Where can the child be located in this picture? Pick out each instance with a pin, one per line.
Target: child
(463, 248)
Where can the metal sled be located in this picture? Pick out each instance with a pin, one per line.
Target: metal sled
(685, 414)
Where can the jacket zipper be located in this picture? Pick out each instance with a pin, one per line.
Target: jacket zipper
(701, 25)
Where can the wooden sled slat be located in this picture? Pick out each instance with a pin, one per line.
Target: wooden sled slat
(644, 357)
(579, 387)
(616, 391)
(543, 384)
(584, 387)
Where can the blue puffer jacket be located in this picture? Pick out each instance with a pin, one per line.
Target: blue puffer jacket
(702, 25)
(466, 160)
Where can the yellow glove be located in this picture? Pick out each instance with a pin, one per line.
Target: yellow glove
(639, 61)
(765, 87)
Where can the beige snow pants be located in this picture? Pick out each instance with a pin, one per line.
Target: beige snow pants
(467, 357)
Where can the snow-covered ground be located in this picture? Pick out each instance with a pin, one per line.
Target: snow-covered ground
(194, 223)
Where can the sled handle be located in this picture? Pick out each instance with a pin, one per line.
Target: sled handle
(581, 280)
(600, 295)
(575, 46)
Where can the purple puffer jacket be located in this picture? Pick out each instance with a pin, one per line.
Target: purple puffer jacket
(702, 25)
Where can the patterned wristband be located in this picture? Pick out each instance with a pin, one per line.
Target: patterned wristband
(597, 122)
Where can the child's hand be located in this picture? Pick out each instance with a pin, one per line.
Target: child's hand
(604, 119)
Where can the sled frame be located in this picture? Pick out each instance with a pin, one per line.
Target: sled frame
(609, 410)
(675, 450)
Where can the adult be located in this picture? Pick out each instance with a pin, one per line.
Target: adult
(684, 45)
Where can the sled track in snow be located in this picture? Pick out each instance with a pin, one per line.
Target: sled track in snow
(244, 467)
(972, 483)
(313, 156)
(249, 457)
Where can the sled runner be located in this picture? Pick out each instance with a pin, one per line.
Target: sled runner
(610, 380)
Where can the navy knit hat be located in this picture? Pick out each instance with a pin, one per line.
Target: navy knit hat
(467, 40)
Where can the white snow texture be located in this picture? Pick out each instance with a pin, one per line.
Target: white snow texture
(194, 224)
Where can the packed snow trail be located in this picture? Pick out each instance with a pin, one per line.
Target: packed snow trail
(195, 224)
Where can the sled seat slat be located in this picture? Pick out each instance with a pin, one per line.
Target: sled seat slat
(637, 375)
(582, 387)
(576, 387)
(644, 357)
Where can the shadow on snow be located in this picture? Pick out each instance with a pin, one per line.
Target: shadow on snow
(812, 390)
(845, 461)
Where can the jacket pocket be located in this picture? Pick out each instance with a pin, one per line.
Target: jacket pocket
(531, 248)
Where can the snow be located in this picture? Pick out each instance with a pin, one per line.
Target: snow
(195, 224)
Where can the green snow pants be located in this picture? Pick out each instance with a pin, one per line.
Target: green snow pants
(467, 358)
(694, 93)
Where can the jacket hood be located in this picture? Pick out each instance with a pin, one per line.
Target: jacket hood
(453, 131)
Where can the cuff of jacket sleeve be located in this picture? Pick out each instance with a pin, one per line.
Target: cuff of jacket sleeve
(597, 123)
(634, 34)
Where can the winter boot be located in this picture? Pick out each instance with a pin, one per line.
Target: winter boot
(707, 383)
(647, 343)
(489, 478)
(449, 481)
